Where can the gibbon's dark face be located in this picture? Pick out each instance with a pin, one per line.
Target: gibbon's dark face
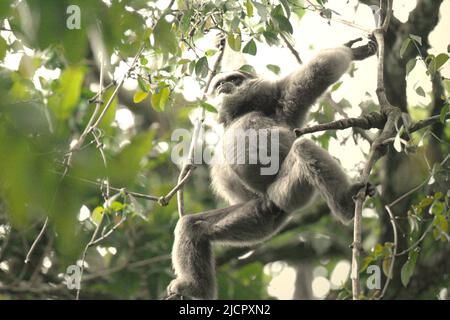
(227, 83)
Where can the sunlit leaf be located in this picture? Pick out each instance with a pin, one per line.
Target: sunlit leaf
(97, 215)
(140, 96)
(3, 48)
(67, 96)
(249, 8)
(160, 99)
(234, 41)
(440, 60)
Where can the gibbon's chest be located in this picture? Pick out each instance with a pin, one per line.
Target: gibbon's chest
(253, 147)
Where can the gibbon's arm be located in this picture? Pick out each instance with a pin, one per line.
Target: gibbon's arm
(300, 89)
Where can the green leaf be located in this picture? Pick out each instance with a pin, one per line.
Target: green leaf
(440, 60)
(140, 96)
(425, 202)
(421, 92)
(438, 208)
(67, 96)
(3, 48)
(283, 23)
(417, 39)
(386, 266)
(336, 86)
(185, 22)
(365, 263)
(286, 8)
(184, 61)
(444, 111)
(249, 8)
(250, 48)
(210, 52)
(117, 206)
(165, 39)
(378, 250)
(234, 42)
(97, 215)
(202, 67)
(409, 266)
(405, 46)
(144, 61)
(208, 107)
(262, 10)
(441, 222)
(410, 65)
(271, 38)
(105, 124)
(438, 195)
(160, 98)
(274, 68)
(247, 68)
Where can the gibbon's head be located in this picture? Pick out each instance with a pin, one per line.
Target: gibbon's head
(227, 83)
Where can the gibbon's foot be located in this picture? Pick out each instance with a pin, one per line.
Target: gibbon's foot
(181, 290)
(370, 189)
(348, 202)
(174, 296)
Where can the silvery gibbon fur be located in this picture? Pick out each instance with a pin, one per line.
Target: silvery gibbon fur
(260, 203)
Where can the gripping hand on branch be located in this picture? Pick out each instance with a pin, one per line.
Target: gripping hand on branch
(365, 51)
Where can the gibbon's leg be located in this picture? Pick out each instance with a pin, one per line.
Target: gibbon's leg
(306, 167)
(239, 225)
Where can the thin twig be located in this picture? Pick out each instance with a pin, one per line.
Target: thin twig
(189, 164)
(415, 244)
(291, 48)
(36, 241)
(125, 191)
(106, 235)
(83, 258)
(394, 253)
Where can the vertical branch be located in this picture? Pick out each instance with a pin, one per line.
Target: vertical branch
(377, 150)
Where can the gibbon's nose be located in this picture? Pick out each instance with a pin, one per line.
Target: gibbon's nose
(221, 88)
(225, 87)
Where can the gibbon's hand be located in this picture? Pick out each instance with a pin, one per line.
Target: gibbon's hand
(365, 51)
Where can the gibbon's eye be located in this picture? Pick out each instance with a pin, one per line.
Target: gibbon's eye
(236, 81)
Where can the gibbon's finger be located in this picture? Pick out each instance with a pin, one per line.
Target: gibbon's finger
(352, 42)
